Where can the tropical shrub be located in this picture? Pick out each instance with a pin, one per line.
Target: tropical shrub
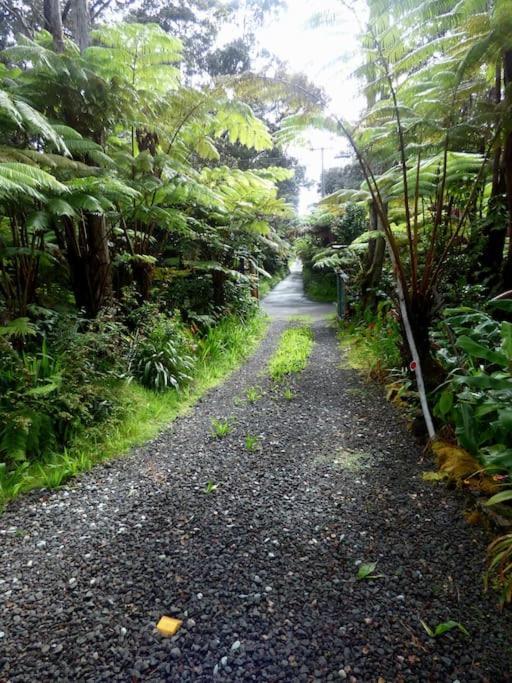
(376, 341)
(477, 399)
(48, 397)
(164, 358)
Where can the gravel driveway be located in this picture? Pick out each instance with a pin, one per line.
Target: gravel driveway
(262, 571)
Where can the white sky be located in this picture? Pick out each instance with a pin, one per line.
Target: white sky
(327, 54)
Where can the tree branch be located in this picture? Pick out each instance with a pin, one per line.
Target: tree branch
(17, 15)
(98, 7)
(66, 9)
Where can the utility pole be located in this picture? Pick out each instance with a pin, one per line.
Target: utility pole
(322, 178)
(342, 155)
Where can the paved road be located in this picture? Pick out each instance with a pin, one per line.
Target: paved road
(288, 298)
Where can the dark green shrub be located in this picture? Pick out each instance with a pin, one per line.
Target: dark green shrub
(477, 399)
(239, 301)
(318, 285)
(163, 359)
(56, 389)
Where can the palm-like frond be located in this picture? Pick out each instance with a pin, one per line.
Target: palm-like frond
(17, 179)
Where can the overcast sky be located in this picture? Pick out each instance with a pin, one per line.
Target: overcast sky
(327, 54)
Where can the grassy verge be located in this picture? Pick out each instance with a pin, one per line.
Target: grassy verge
(319, 286)
(373, 348)
(143, 413)
(269, 283)
(293, 352)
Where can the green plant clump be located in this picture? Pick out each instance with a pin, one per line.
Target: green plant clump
(374, 341)
(293, 351)
(221, 428)
(252, 442)
(164, 358)
(476, 350)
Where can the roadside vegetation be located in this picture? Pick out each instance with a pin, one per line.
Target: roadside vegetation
(139, 413)
(139, 215)
(293, 351)
(419, 224)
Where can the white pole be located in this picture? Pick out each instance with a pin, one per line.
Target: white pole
(414, 354)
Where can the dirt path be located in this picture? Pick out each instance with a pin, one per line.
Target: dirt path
(262, 571)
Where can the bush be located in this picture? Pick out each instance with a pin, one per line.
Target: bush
(319, 286)
(62, 384)
(477, 400)
(164, 358)
(377, 341)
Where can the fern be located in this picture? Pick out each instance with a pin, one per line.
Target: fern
(22, 179)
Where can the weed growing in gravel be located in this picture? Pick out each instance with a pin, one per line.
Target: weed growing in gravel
(210, 487)
(251, 442)
(288, 394)
(52, 476)
(366, 571)
(253, 394)
(293, 352)
(446, 626)
(221, 428)
(301, 319)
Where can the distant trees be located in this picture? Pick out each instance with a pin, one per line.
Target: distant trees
(347, 177)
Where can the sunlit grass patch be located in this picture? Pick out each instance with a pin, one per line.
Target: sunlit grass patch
(292, 354)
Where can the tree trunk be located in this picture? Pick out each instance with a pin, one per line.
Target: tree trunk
(507, 163)
(374, 262)
(99, 265)
(53, 23)
(89, 264)
(495, 228)
(218, 280)
(81, 22)
(143, 275)
(77, 263)
(420, 320)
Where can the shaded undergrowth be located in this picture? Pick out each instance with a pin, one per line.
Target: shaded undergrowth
(143, 413)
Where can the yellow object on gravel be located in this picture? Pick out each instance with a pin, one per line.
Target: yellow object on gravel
(167, 626)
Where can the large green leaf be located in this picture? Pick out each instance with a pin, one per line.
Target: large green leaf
(500, 497)
(476, 350)
(506, 334)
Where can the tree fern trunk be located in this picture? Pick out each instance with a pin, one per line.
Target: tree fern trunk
(99, 265)
(375, 261)
(495, 227)
(53, 23)
(143, 275)
(507, 162)
(218, 280)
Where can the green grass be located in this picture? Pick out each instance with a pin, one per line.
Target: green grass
(266, 284)
(252, 442)
(253, 394)
(319, 286)
(220, 428)
(293, 351)
(371, 348)
(142, 412)
(288, 394)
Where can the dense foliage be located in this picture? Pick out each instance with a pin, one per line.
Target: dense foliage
(434, 148)
(124, 235)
